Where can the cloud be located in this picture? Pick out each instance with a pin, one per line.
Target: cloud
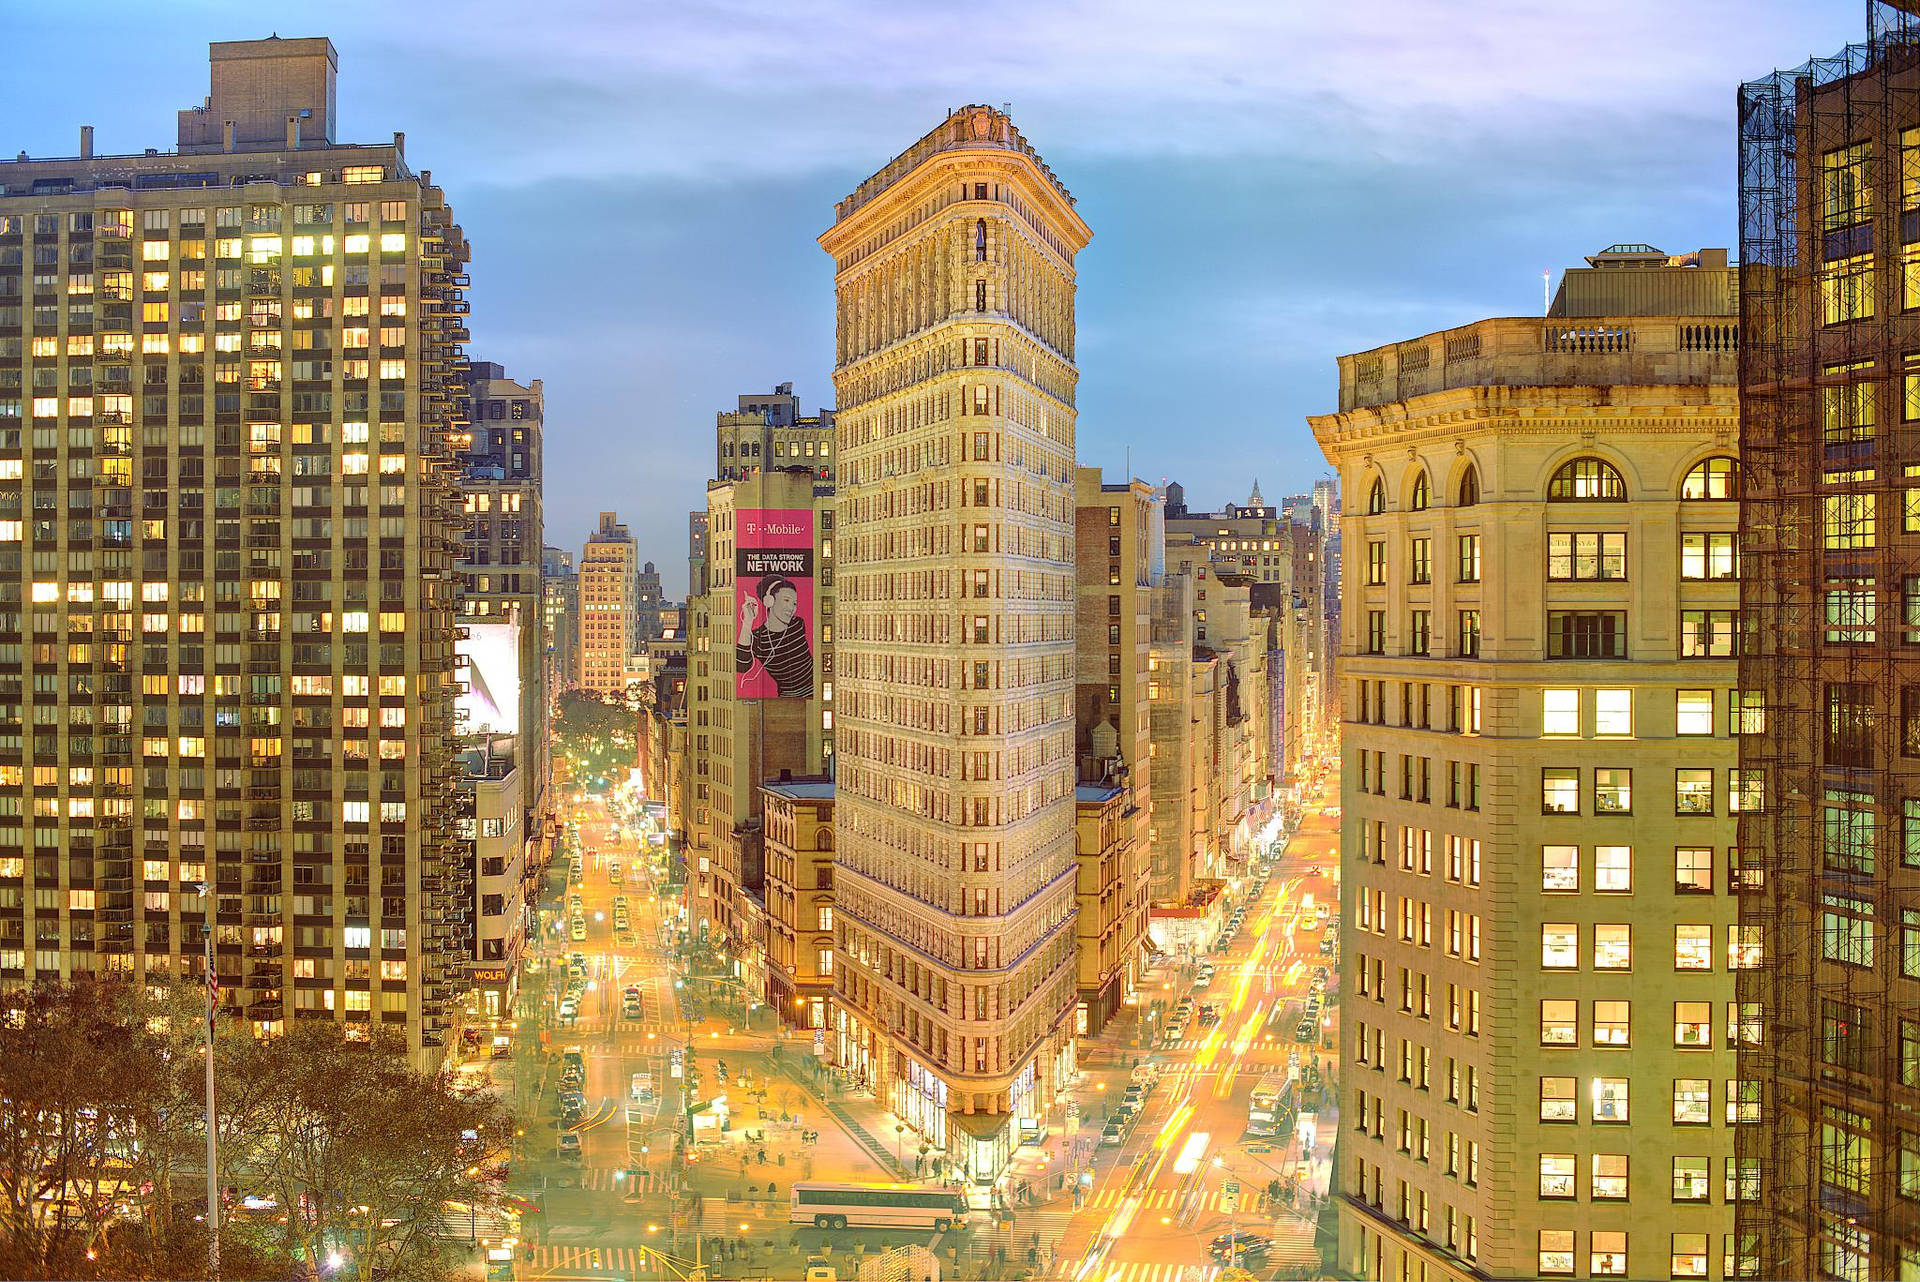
(1271, 183)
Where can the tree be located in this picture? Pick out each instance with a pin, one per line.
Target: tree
(70, 1078)
(363, 1151)
(102, 1134)
(599, 736)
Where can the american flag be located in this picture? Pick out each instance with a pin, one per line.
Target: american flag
(213, 978)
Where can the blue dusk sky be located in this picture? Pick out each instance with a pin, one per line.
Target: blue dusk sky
(1271, 183)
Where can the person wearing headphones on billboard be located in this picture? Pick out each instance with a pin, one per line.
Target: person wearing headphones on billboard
(778, 645)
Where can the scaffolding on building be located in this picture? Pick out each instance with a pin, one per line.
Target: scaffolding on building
(1829, 864)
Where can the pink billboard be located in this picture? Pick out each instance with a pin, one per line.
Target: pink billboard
(773, 592)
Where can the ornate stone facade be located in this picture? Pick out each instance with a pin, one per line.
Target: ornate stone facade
(955, 808)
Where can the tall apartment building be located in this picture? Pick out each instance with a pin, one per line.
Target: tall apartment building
(502, 653)
(736, 743)
(696, 555)
(1830, 533)
(1119, 545)
(1220, 733)
(1539, 788)
(609, 564)
(1253, 536)
(954, 989)
(229, 401)
(648, 598)
(1176, 687)
(768, 430)
(560, 615)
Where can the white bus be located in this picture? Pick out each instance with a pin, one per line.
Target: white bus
(1270, 1097)
(891, 1206)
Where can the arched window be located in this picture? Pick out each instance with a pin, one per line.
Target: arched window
(1470, 486)
(980, 241)
(1586, 478)
(1712, 478)
(1376, 498)
(1420, 492)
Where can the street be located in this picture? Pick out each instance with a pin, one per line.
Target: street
(636, 1203)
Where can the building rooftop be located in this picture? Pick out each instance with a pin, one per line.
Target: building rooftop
(968, 128)
(1625, 350)
(805, 788)
(1096, 793)
(269, 117)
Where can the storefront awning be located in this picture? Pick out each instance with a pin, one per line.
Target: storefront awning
(981, 1126)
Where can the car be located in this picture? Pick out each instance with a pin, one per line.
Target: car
(631, 992)
(1209, 1015)
(1146, 1073)
(575, 904)
(1305, 1031)
(570, 1113)
(1242, 1243)
(1113, 1136)
(1203, 979)
(577, 929)
(570, 1146)
(641, 1088)
(1173, 1036)
(569, 1008)
(1124, 1114)
(1136, 1095)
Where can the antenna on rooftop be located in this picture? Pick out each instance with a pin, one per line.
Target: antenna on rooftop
(1546, 293)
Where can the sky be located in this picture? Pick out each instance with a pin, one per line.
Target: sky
(1270, 183)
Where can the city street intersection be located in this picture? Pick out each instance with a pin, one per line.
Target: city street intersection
(1142, 1206)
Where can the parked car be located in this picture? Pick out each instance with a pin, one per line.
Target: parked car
(570, 1145)
(1113, 1135)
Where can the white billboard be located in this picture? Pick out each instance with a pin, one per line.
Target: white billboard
(490, 657)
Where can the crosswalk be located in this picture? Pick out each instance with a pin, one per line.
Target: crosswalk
(576, 1261)
(627, 1261)
(602, 1180)
(1166, 1200)
(1263, 1045)
(1148, 1271)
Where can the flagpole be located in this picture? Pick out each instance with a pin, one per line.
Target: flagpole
(213, 1116)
